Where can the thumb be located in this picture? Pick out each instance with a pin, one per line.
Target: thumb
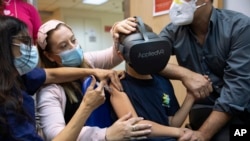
(125, 117)
(116, 36)
(93, 82)
(100, 86)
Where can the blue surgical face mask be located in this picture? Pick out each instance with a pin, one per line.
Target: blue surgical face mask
(72, 57)
(28, 59)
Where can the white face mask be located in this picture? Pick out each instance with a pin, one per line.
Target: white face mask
(28, 60)
(182, 12)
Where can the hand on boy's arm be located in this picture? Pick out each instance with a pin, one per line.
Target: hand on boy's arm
(109, 75)
(186, 134)
(199, 85)
(195, 83)
(121, 73)
(125, 128)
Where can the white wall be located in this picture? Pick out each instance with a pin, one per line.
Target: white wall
(242, 6)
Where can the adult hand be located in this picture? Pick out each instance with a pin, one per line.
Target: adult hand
(125, 26)
(126, 128)
(186, 134)
(197, 136)
(200, 86)
(121, 73)
(109, 75)
(94, 97)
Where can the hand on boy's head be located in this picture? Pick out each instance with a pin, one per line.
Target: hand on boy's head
(125, 26)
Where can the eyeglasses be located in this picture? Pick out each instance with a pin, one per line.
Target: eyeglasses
(24, 39)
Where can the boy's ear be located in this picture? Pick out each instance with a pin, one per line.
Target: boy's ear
(118, 50)
(120, 54)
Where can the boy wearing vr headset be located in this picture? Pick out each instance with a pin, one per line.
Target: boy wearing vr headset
(146, 93)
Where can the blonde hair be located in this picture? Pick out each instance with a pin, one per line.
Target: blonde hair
(71, 88)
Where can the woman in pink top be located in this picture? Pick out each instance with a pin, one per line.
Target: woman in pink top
(58, 104)
(24, 11)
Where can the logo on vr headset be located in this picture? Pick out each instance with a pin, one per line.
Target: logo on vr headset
(151, 53)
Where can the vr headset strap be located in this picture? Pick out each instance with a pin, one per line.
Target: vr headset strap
(141, 28)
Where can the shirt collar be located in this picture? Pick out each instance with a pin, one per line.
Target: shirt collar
(213, 18)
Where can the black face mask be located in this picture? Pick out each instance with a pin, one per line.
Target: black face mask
(145, 52)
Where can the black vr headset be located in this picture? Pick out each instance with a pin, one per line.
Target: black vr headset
(145, 51)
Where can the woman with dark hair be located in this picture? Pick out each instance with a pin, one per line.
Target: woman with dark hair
(18, 60)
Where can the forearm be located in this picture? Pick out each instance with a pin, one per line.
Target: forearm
(158, 130)
(73, 128)
(174, 71)
(197, 84)
(105, 59)
(66, 74)
(181, 115)
(213, 124)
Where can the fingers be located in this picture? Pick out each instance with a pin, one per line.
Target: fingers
(100, 87)
(125, 117)
(204, 92)
(109, 75)
(121, 74)
(139, 127)
(126, 26)
(93, 82)
(94, 97)
(138, 138)
(199, 85)
(139, 131)
(112, 90)
(124, 129)
(196, 94)
(186, 136)
(206, 89)
(133, 128)
(209, 87)
(116, 81)
(116, 36)
(134, 120)
(131, 19)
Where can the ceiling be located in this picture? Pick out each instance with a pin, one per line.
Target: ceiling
(45, 7)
